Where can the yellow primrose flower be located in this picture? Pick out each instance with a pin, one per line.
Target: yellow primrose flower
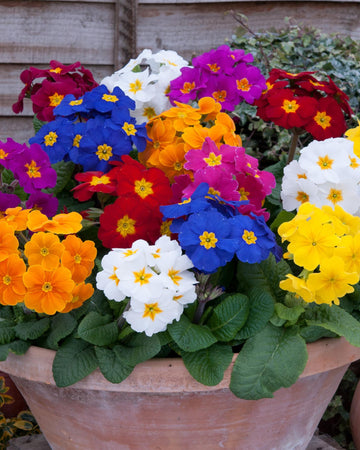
(354, 135)
(332, 282)
(349, 252)
(297, 286)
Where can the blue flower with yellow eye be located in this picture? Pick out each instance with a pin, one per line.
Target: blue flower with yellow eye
(103, 101)
(70, 107)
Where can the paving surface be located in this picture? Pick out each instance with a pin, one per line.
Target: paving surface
(38, 442)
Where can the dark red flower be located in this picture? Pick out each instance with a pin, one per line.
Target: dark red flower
(328, 120)
(93, 182)
(127, 220)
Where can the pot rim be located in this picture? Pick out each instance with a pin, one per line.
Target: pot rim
(36, 365)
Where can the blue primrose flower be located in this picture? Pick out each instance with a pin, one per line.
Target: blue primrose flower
(79, 132)
(132, 133)
(207, 240)
(100, 145)
(70, 107)
(100, 99)
(254, 239)
(56, 139)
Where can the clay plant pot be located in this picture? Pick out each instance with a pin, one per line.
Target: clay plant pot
(355, 416)
(160, 406)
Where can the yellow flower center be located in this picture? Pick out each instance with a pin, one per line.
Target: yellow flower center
(301, 175)
(173, 274)
(178, 166)
(47, 287)
(302, 197)
(76, 102)
(129, 129)
(33, 170)
(50, 139)
(56, 70)
(7, 280)
(76, 141)
(213, 160)
(151, 309)
(114, 277)
(136, 86)
(244, 195)
(353, 163)
(55, 99)
(208, 240)
(335, 196)
(77, 259)
(213, 191)
(249, 237)
(214, 67)
(149, 112)
(125, 226)
(44, 251)
(3, 154)
(95, 181)
(322, 120)
(110, 98)
(104, 151)
(142, 277)
(290, 106)
(325, 162)
(143, 188)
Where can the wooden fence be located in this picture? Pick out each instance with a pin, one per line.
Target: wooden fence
(104, 34)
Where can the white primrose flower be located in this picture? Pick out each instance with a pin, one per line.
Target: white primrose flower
(344, 194)
(174, 272)
(170, 58)
(163, 245)
(326, 160)
(107, 280)
(296, 191)
(138, 85)
(153, 315)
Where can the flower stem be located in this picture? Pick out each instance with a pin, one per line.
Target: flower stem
(199, 311)
(293, 144)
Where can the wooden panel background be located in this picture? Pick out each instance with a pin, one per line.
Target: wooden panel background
(104, 34)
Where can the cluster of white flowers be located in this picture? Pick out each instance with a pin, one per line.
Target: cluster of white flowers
(146, 80)
(326, 173)
(156, 278)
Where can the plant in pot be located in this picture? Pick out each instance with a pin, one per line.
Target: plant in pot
(150, 271)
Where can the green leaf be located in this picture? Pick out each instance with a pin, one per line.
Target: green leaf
(32, 330)
(337, 320)
(313, 333)
(229, 316)
(283, 216)
(64, 171)
(7, 331)
(112, 367)
(98, 329)
(272, 359)
(74, 360)
(190, 337)
(138, 349)
(289, 314)
(208, 365)
(17, 347)
(261, 304)
(37, 124)
(62, 326)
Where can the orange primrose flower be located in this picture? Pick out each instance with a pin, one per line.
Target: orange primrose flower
(81, 293)
(17, 217)
(44, 249)
(8, 241)
(48, 291)
(78, 257)
(12, 289)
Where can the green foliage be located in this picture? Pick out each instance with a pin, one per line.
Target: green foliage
(294, 48)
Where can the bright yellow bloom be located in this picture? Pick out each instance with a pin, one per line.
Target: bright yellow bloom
(349, 252)
(313, 242)
(44, 249)
(350, 224)
(80, 294)
(297, 286)
(48, 291)
(78, 257)
(332, 282)
(12, 289)
(354, 135)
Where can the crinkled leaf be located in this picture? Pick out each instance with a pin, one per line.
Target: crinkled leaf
(208, 365)
(74, 360)
(64, 171)
(112, 367)
(32, 330)
(261, 304)
(229, 316)
(7, 331)
(17, 347)
(289, 314)
(314, 333)
(62, 325)
(138, 349)
(189, 336)
(272, 359)
(337, 320)
(98, 329)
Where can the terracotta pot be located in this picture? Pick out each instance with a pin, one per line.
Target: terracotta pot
(19, 403)
(160, 406)
(355, 417)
